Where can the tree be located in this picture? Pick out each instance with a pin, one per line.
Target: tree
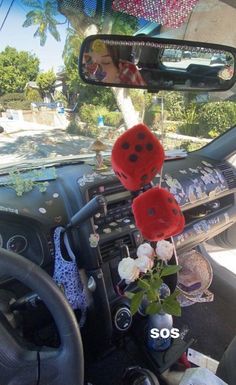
(46, 81)
(17, 68)
(43, 15)
(104, 20)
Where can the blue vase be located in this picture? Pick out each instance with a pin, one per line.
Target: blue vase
(163, 322)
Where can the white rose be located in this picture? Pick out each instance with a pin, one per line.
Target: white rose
(145, 250)
(164, 250)
(128, 270)
(144, 263)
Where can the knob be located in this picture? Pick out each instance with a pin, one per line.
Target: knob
(122, 319)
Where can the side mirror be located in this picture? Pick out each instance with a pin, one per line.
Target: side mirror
(156, 64)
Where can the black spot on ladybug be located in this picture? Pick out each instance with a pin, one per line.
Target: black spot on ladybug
(143, 177)
(138, 148)
(124, 176)
(125, 145)
(151, 212)
(133, 158)
(175, 211)
(141, 135)
(149, 146)
(171, 200)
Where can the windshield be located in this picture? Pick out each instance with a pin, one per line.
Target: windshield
(47, 112)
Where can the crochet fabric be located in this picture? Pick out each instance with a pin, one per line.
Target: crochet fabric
(66, 274)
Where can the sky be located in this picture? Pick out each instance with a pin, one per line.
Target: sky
(14, 35)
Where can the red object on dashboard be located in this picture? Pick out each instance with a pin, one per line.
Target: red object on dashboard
(137, 156)
(157, 214)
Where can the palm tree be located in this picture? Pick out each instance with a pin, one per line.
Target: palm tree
(42, 14)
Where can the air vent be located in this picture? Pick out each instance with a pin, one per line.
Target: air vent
(110, 249)
(228, 174)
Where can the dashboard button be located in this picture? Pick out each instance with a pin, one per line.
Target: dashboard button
(123, 319)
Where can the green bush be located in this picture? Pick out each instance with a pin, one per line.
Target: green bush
(89, 114)
(190, 146)
(33, 95)
(19, 105)
(4, 99)
(217, 117)
(191, 129)
(174, 104)
(138, 99)
(15, 101)
(113, 118)
(90, 131)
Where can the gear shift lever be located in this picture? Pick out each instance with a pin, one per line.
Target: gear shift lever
(139, 376)
(97, 204)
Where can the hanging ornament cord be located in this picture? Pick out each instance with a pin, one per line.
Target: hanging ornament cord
(161, 172)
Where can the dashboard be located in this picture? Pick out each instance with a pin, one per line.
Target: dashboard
(204, 188)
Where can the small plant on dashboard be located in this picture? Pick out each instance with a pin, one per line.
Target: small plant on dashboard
(25, 182)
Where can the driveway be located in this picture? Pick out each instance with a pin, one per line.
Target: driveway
(33, 141)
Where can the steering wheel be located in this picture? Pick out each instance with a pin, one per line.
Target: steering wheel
(22, 364)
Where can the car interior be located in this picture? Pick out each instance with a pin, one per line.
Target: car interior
(76, 211)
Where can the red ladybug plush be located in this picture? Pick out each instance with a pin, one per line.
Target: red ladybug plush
(137, 156)
(157, 214)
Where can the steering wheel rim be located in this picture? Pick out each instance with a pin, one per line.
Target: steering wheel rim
(66, 363)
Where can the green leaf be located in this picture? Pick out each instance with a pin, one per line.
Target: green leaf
(129, 294)
(32, 3)
(153, 308)
(174, 294)
(156, 283)
(169, 270)
(152, 295)
(171, 306)
(143, 284)
(28, 22)
(43, 38)
(54, 32)
(136, 302)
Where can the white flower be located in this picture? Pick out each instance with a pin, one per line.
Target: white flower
(145, 250)
(144, 263)
(128, 270)
(164, 250)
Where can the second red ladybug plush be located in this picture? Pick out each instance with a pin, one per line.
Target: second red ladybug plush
(157, 214)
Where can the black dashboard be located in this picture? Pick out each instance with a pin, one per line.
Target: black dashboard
(204, 189)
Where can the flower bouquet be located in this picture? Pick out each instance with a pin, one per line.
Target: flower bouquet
(149, 271)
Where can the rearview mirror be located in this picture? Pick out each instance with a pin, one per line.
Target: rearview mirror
(156, 64)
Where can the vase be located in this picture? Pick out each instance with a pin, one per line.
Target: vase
(159, 340)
